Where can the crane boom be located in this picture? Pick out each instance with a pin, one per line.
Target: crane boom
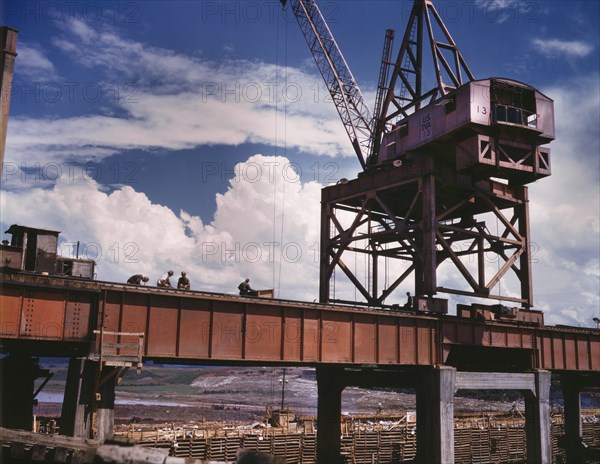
(340, 82)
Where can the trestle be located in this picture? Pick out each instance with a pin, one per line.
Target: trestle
(405, 222)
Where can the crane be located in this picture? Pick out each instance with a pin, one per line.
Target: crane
(438, 162)
(365, 128)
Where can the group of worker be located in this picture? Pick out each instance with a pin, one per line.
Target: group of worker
(183, 283)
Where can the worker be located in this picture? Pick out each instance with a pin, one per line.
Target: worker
(514, 412)
(245, 289)
(409, 301)
(164, 280)
(138, 279)
(183, 283)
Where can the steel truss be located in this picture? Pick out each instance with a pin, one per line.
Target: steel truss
(424, 219)
(450, 68)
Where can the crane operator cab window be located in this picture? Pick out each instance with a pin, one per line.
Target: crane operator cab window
(513, 104)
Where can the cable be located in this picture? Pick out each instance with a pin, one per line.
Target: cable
(276, 145)
(285, 59)
(498, 262)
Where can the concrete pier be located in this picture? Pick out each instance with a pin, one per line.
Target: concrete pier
(329, 414)
(77, 408)
(105, 413)
(573, 384)
(18, 372)
(537, 420)
(435, 415)
(89, 391)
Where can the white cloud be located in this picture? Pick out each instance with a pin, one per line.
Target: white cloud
(265, 227)
(500, 4)
(502, 10)
(153, 97)
(565, 209)
(32, 63)
(555, 48)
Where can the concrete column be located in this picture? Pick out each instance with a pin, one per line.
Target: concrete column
(435, 416)
(537, 417)
(17, 373)
(79, 398)
(105, 414)
(571, 388)
(329, 413)
(8, 53)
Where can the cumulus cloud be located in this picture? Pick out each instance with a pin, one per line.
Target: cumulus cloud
(555, 48)
(265, 228)
(565, 224)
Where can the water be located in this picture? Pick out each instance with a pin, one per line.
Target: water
(47, 397)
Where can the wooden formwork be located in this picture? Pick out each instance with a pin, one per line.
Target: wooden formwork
(257, 443)
(309, 448)
(479, 442)
(288, 446)
(497, 444)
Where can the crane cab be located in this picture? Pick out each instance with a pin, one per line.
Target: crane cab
(491, 127)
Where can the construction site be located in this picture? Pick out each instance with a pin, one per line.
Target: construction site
(381, 382)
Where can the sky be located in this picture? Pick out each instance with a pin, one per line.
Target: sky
(197, 135)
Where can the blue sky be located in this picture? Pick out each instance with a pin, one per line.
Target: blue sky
(196, 135)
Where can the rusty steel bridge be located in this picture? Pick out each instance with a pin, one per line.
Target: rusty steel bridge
(64, 315)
